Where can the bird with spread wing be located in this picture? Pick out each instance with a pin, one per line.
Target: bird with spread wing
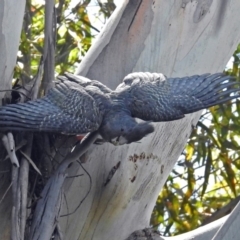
(77, 105)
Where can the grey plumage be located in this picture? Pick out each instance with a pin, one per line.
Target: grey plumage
(77, 105)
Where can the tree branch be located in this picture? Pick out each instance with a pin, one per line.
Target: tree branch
(49, 46)
(48, 207)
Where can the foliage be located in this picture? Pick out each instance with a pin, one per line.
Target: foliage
(207, 175)
(74, 34)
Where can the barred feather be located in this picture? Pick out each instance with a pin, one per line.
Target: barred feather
(160, 99)
(78, 105)
(67, 109)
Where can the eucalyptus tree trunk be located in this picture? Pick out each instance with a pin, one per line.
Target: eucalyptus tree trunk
(11, 18)
(177, 38)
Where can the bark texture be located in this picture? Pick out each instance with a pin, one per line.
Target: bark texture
(11, 18)
(177, 38)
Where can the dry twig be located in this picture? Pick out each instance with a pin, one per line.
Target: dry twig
(48, 207)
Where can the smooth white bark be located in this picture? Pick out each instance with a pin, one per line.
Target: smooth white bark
(177, 38)
(202, 233)
(11, 18)
(230, 230)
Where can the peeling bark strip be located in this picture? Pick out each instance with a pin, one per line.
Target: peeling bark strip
(49, 45)
(46, 215)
